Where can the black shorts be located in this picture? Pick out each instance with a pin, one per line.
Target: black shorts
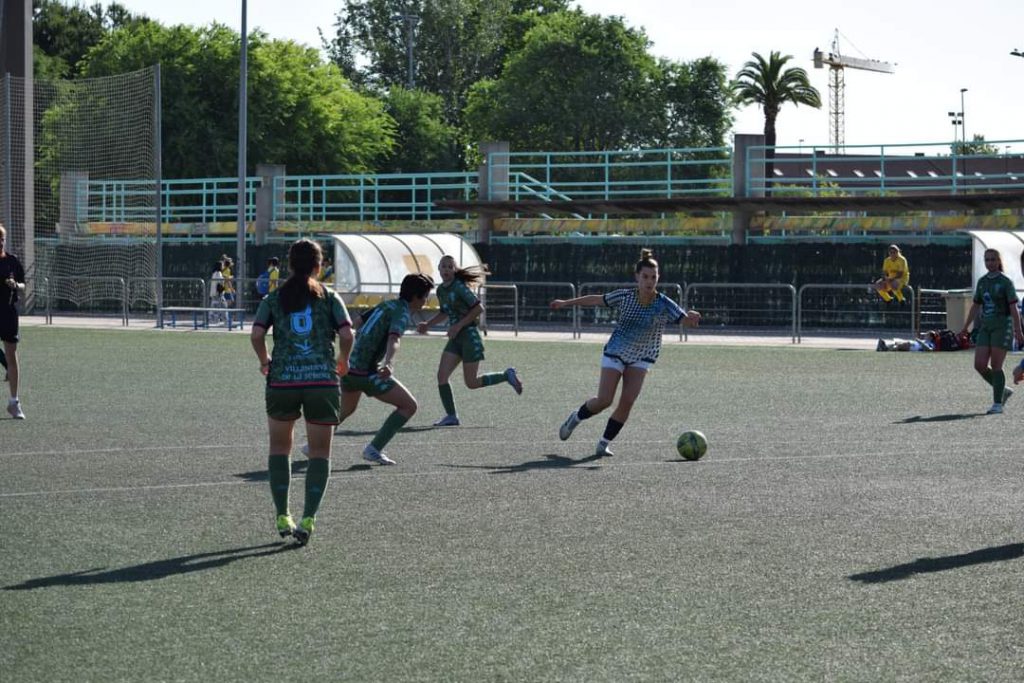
(8, 324)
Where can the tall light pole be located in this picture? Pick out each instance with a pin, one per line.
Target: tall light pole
(410, 44)
(957, 119)
(243, 136)
(963, 123)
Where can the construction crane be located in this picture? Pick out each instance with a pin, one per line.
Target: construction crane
(838, 63)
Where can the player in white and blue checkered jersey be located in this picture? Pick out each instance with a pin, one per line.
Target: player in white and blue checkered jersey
(642, 314)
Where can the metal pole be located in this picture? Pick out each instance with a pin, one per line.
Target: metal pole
(158, 173)
(963, 119)
(243, 101)
(7, 152)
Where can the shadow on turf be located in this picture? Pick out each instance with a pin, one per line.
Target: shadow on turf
(927, 565)
(550, 461)
(356, 432)
(938, 418)
(160, 569)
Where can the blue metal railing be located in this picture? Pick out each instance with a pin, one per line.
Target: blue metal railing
(913, 168)
(562, 176)
(397, 196)
(610, 175)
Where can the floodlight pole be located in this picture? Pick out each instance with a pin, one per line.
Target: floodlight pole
(243, 101)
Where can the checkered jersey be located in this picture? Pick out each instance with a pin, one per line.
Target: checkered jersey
(637, 335)
(385, 319)
(304, 353)
(456, 299)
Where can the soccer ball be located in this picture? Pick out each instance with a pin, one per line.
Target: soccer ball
(692, 445)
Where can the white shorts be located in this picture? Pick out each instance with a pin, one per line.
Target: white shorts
(617, 364)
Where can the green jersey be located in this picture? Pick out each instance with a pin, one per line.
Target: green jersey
(456, 299)
(304, 352)
(384, 320)
(996, 295)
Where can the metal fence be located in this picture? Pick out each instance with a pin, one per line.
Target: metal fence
(852, 309)
(726, 308)
(742, 307)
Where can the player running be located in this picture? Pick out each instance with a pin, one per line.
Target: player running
(998, 326)
(371, 365)
(12, 283)
(302, 378)
(465, 345)
(632, 349)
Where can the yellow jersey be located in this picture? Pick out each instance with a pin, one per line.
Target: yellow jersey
(896, 267)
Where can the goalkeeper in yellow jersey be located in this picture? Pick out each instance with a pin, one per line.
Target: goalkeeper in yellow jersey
(895, 276)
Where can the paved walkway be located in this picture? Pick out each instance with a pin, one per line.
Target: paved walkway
(698, 336)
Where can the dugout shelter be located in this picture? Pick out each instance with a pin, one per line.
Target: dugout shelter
(370, 267)
(1009, 243)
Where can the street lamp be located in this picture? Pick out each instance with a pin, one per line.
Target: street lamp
(957, 119)
(963, 123)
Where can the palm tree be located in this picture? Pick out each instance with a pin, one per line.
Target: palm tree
(770, 84)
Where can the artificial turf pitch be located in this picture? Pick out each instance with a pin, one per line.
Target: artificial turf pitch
(857, 517)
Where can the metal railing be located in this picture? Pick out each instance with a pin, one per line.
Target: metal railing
(883, 170)
(490, 305)
(854, 308)
(394, 196)
(612, 174)
(189, 200)
(731, 306)
(83, 291)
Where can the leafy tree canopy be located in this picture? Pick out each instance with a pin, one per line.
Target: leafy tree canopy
(302, 112)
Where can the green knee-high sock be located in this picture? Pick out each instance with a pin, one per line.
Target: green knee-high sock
(317, 476)
(998, 385)
(492, 378)
(280, 479)
(447, 398)
(388, 430)
(986, 375)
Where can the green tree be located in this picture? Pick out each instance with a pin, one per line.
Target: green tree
(770, 84)
(695, 102)
(457, 42)
(975, 146)
(302, 112)
(580, 82)
(424, 141)
(64, 33)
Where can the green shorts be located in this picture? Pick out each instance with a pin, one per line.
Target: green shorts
(319, 405)
(467, 345)
(371, 385)
(996, 332)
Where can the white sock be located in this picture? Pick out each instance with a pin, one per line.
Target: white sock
(14, 399)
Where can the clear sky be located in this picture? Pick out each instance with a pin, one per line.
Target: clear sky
(938, 47)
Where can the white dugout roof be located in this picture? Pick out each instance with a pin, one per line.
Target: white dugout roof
(1009, 244)
(376, 263)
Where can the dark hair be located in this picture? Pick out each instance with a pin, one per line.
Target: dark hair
(415, 285)
(273, 261)
(470, 275)
(646, 260)
(301, 288)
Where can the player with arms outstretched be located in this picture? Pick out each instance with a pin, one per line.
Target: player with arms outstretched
(633, 348)
(465, 345)
(302, 378)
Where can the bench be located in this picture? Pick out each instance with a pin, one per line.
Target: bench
(201, 316)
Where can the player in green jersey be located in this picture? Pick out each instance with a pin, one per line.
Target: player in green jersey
(462, 308)
(302, 378)
(372, 362)
(999, 324)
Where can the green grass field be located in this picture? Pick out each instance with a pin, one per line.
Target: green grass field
(857, 518)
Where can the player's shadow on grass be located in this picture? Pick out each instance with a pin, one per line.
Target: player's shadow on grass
(938, 418)
(151, 571)
(371, 432)
(299, 468)
(927, 565)
(550, 461)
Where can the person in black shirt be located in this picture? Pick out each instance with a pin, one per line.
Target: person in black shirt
(12, 283)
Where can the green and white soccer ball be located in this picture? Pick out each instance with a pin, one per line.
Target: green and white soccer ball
(692, 445)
